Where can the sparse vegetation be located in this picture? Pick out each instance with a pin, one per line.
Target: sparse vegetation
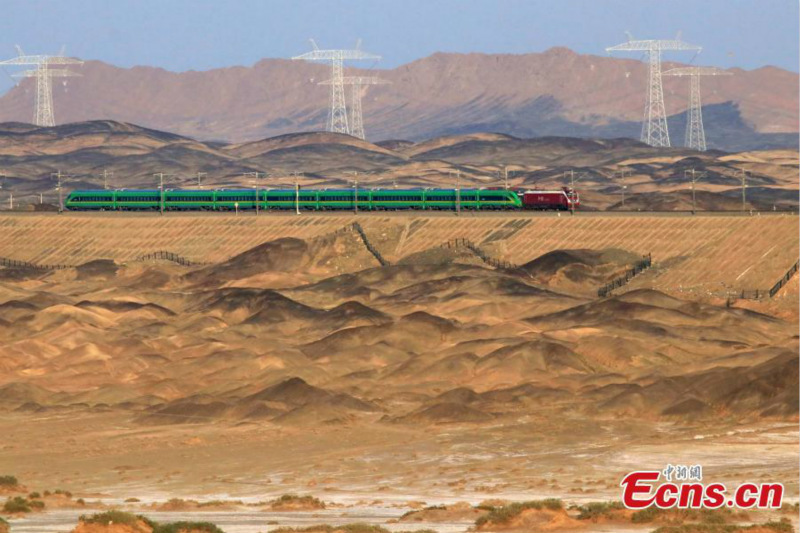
(121, 517)
(428, 508)
(504, 514)
(80, 501)
(34, 495)
(177, 527)
(703, 516)
(18, 504)
(327, 528)
(782, 526)
(8, 481)
(218, 503)
(293, 500)
(66, 493)
(115, 517)
(595, 510)
(347, 528)
(132, 500)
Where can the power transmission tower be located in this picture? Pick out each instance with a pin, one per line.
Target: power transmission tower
(255, 176)
(161, 200)
(44, 74)
(356, 116)
(572, 180)
(743, 175)
(695, 177)
(654, 125)
(337, 114)
(105, 178)
(60, 178)
(695, 134)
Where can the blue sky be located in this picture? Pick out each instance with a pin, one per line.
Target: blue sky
(200, 34)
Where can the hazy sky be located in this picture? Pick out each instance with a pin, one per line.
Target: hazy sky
(202, 34)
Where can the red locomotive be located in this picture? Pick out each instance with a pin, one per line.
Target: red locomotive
(563, 199)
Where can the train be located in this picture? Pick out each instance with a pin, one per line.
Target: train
(321, 199)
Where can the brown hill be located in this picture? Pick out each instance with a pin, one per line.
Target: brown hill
(446, 413)
(556, 92)
(763, 390)
(107, 154)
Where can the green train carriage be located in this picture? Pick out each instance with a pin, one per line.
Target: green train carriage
(286, 199)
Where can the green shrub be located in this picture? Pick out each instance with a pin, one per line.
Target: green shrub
(36, 504)
(216, 503)
(121, 517)
(132, 500)
(175, 527)
(34, 495)
(595, 510)
(646, 515)
(66, 493)
(47, 493)
(782, 526)
(8, 481)
(295, 499)
(347, 528)
(17, 504)
(504, 514)
(704, 516)
(80, 501)
(113, 516)
(327, 528)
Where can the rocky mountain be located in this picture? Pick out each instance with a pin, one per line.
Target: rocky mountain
(557, 92)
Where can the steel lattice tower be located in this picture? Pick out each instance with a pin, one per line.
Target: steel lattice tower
(654, 126)
(356, 84)
(695, 134)
(44, 114)
(337, 114)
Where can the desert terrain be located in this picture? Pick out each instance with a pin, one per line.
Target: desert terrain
(388, 363)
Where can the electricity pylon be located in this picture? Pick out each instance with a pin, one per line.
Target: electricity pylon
(695, 134)
(654, 125)
(44, 115)
(356, 116)
(337, 114)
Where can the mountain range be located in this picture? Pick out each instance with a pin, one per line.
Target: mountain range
(556, 92)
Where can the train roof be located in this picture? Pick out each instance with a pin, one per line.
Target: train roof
(156, 191)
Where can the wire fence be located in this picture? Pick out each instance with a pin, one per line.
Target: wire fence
(786, 277)
(15, 263)
(169, 256)
(482, 255)
(638, 267)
